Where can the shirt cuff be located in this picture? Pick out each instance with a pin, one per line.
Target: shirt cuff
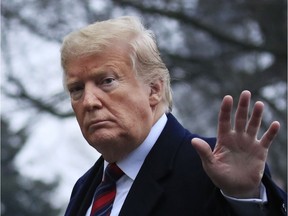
(262, 200)
(251, 206)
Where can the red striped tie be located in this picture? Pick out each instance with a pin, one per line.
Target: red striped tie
(106, 191)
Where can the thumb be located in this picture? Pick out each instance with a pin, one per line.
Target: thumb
(203, 149)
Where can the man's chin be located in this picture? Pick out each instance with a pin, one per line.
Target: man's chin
(102, 139)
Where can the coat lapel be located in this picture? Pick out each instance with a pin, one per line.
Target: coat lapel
(89, 187)
(141, 199)
(146, 190)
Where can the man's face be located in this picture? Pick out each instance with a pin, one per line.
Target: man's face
(112, 106)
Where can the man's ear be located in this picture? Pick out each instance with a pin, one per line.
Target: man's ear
(156, 92)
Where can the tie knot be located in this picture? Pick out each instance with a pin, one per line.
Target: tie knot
(112, 173)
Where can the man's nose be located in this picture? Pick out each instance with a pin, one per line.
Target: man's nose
(92, 99)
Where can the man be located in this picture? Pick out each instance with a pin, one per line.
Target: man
(120, 93)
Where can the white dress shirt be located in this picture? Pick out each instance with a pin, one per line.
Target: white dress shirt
(131, 165)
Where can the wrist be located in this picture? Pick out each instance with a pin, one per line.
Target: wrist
(244, 194)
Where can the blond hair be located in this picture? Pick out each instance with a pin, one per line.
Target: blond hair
(144, 54)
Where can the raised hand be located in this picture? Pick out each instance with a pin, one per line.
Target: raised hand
(236, 164)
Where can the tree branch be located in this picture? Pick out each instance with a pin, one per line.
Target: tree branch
(208, 28)
(9, 14)
(37, 103)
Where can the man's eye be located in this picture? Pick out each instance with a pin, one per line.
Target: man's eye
(75, 89)
(76, 92)
(109, 84)
(108, 80)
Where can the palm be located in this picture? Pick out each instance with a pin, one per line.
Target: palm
(237, 162)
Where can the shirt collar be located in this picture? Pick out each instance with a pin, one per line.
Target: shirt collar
(131, 164)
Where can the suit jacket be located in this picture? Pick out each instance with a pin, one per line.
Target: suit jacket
(171, 182)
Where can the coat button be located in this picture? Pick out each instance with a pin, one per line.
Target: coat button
(284, 209)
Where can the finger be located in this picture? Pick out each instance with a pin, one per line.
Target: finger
(270, 134)
(241, 115)
(224, 119)
(255, 119)
(203, 149)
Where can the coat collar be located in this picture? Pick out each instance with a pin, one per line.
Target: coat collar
(157, 166)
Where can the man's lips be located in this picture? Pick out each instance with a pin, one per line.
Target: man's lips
(94, 124)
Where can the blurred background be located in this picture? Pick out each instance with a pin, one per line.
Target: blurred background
(211, 49)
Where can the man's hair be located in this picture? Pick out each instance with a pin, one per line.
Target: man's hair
(143, 51)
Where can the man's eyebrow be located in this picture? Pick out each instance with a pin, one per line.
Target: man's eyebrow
(72, 81)
(102, 72)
